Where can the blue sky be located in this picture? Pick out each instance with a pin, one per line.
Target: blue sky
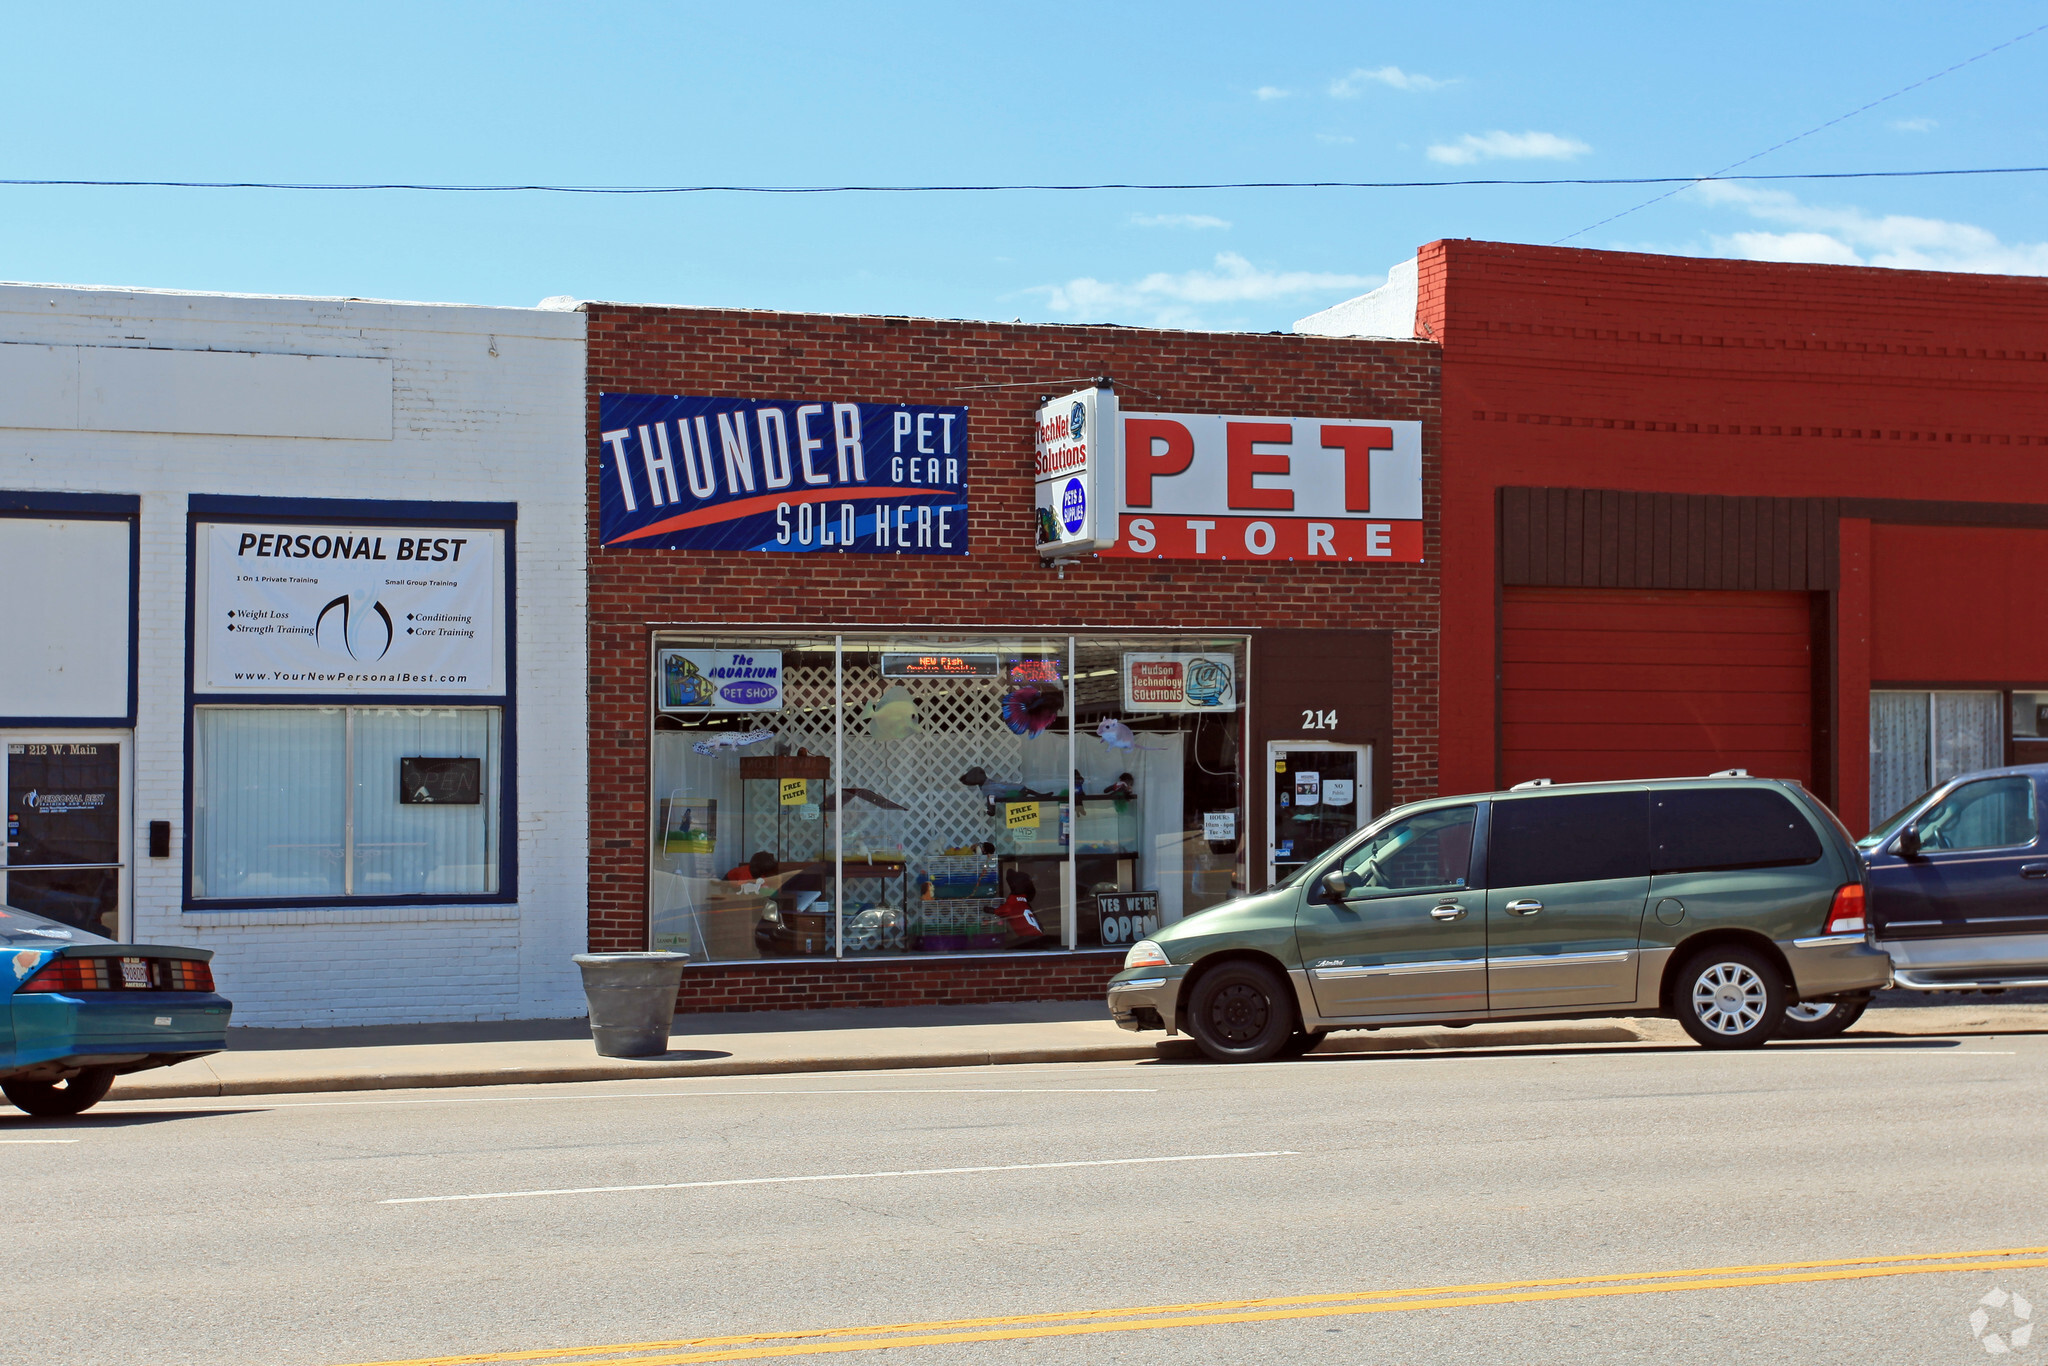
(827, 93)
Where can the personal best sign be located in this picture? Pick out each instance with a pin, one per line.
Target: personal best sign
(1207, 487)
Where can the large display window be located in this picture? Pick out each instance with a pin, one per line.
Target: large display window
(863, 795)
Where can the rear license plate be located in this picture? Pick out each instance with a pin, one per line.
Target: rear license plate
(135, 972)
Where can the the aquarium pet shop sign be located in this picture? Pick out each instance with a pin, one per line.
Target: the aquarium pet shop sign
(720, 680)
(689, 473)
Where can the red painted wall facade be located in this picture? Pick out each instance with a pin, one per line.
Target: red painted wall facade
(1894, 391)
(998, 371)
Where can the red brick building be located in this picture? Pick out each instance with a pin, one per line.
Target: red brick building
(1338, 656)
(1701, 514)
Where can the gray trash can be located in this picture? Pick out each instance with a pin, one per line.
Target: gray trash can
(632, 1000)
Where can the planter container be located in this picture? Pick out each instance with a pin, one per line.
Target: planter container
(632, 1000)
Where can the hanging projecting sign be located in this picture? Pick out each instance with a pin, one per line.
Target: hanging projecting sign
(336, 609)
(683, 473)
(1074, 469)
(1204, 487)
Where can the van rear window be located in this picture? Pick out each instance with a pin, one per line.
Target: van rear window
(1582, 837)
(1699, 829)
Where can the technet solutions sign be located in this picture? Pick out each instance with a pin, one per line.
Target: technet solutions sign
(350, 609)
(1205, 487)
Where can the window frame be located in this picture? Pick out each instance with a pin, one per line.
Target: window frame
(503, 517)
(2033, 800)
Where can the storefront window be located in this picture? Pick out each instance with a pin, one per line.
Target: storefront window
(329, 802)
(874, 795)
(1919, 739)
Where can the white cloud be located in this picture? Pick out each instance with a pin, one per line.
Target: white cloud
(1352, 86)
(1164, 299)
(1914, 125)
(1178, 220)
(1272, 92)
(1851, 237)
(1509, 146)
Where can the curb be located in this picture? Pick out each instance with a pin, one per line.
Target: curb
(626, 1069)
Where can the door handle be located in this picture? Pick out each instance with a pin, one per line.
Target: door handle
(1450, 910)
(1524, 907)
(2034, 870)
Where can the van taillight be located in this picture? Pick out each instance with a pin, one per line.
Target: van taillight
(70, 974)
(1845, 916)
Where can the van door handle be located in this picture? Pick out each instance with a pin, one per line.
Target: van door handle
(2034, 870)
(1449, 910)
(1524, 907)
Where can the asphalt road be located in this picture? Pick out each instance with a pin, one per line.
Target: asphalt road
(1032, 1203)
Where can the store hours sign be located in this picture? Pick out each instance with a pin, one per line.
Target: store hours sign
(724, 474)
(350, 609)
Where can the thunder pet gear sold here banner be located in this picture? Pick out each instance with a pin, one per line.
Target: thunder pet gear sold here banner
(691, 473)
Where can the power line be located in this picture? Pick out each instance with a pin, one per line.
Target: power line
(1679, 180)
(1819, 127)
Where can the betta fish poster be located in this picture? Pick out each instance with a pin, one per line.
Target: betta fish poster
(688, 473)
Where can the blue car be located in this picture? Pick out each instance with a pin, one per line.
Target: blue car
(1958, 884)
(82, 1010)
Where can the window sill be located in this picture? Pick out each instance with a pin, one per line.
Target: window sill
(348, 915)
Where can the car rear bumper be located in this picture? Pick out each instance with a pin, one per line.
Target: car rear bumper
(1836, 964)
(142, 1028)
(1146, 998)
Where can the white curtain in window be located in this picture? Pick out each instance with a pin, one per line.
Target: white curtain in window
(1898, 750)
(408, 850)
(1969, 733)
(268, 802)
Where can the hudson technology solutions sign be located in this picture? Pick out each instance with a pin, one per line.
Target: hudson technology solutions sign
(338, 609)
(690, 473)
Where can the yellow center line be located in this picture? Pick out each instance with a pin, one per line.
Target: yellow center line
(752, 1345)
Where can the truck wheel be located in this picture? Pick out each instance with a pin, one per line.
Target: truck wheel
(73, 1096)
(1729, 997)
(1241, 1012)
(1821, 1019)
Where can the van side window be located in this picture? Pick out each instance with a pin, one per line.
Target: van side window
(1697, 829)
(1997, 813)
(1426, 851)
(1582, 837)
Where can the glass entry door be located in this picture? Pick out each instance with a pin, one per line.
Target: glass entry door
(1316, 794)
(65, 820)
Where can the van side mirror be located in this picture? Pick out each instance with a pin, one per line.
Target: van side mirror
(1337, 884)
(1907, 845)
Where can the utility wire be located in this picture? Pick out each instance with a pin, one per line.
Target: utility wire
(1678, 180)
(1722, 174)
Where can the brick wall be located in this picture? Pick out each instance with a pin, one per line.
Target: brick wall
(897, 982)
(998, 371)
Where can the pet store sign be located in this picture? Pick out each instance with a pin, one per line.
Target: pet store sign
(693, 473)
(1207, 486)
(719, 680)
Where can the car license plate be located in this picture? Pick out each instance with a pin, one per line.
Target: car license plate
(135, 972)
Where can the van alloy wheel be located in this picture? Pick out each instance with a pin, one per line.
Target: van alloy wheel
(1822, 1019)
(1809, 1012)
(1731, 996)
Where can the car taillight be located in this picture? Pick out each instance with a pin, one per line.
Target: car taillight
(1845, 916)
(70, 974)
(188, 975)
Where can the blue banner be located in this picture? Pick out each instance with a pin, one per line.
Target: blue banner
(687, 473)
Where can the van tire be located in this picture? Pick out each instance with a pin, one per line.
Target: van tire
(56, 1099)
(1303, 1042)
(1241, 1012)
(1837, 1017)
(1729, 996)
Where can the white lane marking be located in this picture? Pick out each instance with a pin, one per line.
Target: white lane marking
(38, 1140)
(232, 1103)
(841, 1176)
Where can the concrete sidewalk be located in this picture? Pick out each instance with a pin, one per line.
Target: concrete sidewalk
(386, 1057)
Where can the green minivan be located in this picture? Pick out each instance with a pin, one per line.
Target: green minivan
(1733, 904)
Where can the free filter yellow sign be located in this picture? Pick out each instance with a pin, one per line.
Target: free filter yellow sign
(795, 791)
(1020, 815)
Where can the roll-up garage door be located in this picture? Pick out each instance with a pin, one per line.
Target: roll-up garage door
(1605, 683)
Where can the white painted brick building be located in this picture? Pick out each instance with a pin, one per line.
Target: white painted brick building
(143, 419)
